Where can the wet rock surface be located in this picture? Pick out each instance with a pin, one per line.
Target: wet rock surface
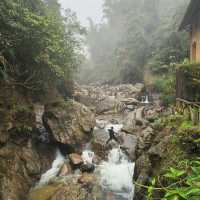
(87, 179)
(69, 122)
(75, 159)
(65, 170)
(70, 192)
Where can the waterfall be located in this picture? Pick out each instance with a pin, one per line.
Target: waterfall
(52, 173)
(116, 175)
(145, 100)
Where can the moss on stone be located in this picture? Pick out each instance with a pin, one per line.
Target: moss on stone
(44, 193)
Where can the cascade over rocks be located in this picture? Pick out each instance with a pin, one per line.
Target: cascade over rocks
(69, 122)
(26, 148)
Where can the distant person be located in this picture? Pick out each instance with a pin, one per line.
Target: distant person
(112, 135)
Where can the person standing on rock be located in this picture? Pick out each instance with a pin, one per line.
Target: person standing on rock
(112, 135)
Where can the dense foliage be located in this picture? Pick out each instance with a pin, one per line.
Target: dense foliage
(179, 176)
(38, 46)
(135, 34)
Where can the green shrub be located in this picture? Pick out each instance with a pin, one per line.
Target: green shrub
(167, 100)
(186, 125)
(178, 183)
(166, 87)
(158, 125)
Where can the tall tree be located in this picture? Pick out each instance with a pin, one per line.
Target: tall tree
(133, 30)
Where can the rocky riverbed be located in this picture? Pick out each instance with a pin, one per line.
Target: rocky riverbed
(67, 146)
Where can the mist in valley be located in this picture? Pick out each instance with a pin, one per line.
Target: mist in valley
(133, 36)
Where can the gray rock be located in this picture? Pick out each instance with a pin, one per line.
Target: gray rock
(69, 122)
(109, 104)
(129, 144)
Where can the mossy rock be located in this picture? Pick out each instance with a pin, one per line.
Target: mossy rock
(44, 193)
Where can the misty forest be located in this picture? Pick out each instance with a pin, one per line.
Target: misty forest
(106, 110)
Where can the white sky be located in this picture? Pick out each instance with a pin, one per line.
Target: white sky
(85, 9)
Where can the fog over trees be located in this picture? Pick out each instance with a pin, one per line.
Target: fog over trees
(135, 34)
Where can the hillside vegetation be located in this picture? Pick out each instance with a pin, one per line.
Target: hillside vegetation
(39, 49)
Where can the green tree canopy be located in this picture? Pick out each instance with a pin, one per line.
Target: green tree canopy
(37, 49)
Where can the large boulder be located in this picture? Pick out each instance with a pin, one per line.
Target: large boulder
(20, 168)
(129, 90)
(134, 120)
(70, 192)
(109, 104)
(69, 122)
(130, 123)
(130, 101)
(145, 140)
(129, 144)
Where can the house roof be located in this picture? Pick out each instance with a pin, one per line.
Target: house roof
(192, 12)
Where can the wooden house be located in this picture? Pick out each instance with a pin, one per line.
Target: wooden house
(191, 22)
(188, 75)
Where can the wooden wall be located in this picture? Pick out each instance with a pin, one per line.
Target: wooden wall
(195, 41)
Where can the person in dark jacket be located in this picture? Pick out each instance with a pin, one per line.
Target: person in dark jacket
(112, 135)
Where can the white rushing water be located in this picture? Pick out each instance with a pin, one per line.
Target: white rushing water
(88, 157)
(116, 127)
(146, 100)
(52, 173)
(116, 175)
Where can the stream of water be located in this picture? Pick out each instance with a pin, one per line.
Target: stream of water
(52, 173)
(114, 175)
